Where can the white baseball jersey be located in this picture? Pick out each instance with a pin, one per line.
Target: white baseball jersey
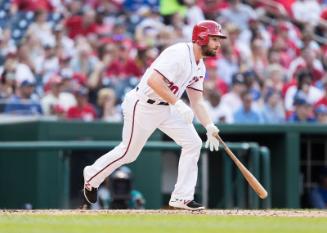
(177, 64)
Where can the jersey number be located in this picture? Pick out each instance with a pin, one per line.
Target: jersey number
(174, 89)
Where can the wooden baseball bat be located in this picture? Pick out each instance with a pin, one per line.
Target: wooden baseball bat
(253, 182)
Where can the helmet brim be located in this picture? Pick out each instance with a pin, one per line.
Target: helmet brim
(221, 36)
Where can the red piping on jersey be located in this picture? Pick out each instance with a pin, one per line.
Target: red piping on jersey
(129, 143)
(162, 74)
(194, 89)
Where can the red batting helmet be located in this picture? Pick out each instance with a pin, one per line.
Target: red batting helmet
(204, 29)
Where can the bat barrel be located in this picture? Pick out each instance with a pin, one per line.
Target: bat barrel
(253, 182)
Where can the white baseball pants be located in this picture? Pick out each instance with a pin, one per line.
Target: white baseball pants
(140, 121)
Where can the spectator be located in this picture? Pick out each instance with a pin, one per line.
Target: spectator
(318, 195)
(240, 48)
(308, 41)
(212, 7)
(81, 25)
(48, 64)
(146, 56)
(259, 58)
(194, 13)
(41, 29)
(62, 40)
(23, 103)
(218, 112)
(108, 111)
(304, 84)
(227, 64)
(67, 87)
(25, 67)
(308, 60)
(285, 39)
(123, 66)
(84, 60)
(273, 111)
(306, 11)
(253, 85)
(213, 81)
(7, 80)
(303, 110)
(52, 101)
(323, 100)
(7, 45)
(149, 28)
(31, 5)
(107, 53)
(257, 30)
(238, 14)
(181, 30)
(274, 77)
(233, 98)
(35, 53)
(83, 110)
(245, 114)
(321, 114)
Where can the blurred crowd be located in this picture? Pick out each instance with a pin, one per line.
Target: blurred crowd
(76, 59)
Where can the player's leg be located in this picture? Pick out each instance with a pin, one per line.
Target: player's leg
(135, 135)
(186, 136)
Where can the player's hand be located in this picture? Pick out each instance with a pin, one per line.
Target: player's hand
(212, 141)
(184, 111)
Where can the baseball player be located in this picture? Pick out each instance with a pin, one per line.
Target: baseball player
(155, 103)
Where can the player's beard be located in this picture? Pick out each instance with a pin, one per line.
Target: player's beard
(208, 52)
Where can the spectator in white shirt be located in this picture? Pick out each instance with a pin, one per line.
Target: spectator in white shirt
(306, 11)
(233, 98)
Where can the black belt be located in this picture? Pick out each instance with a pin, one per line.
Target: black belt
(150, 101)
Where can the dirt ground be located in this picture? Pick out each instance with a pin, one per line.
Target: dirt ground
(284, 213)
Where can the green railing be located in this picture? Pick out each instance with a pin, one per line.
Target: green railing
(236, 193)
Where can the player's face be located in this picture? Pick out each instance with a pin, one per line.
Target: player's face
(212, 47)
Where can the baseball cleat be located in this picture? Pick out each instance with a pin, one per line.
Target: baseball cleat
(185, 204)
(90, 194)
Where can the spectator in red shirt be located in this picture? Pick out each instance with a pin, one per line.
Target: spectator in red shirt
(81, 25)
(308, 60)
(123, 66)
(83, 110)
(213, 80)
(211, 7)
(31, 5)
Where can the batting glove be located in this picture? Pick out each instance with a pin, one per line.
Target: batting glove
(212, 141)
(184, 111)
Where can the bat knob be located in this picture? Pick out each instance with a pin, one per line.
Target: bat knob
(263, 195)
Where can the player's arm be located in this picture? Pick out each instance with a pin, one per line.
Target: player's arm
(159, 84)
(201, 112)
(198, 106)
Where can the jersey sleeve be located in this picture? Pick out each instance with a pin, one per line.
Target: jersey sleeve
(197, 82)
(169, 64)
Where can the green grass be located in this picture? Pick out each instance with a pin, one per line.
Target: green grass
(171, 223)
